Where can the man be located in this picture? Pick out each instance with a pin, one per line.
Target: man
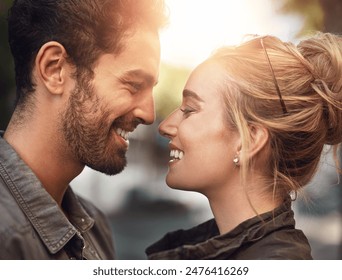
(85, 71)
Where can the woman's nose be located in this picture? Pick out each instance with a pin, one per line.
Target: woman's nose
(168, 127)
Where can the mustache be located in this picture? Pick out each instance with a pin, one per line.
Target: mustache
(127, 123)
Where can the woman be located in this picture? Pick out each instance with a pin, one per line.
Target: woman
(248, 135)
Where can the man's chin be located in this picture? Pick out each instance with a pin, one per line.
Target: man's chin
(109, 170)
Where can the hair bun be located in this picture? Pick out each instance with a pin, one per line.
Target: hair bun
(324, 53)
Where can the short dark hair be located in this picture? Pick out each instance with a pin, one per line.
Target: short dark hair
(85, 29)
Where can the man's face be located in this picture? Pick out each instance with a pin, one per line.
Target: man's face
(100, 114)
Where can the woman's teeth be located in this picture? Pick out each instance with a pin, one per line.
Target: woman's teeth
(123, 133)
(176, 154)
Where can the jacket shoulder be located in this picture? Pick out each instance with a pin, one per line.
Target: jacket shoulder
(290, 244)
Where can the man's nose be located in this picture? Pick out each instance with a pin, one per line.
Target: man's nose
(145, 109)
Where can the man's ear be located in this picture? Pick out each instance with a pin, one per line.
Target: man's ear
(259, 139)
(51, 66)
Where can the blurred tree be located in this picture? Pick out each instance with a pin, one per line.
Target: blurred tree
(168, 93)
(323, 15)
(7, 85)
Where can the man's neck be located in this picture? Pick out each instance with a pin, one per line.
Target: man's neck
(46, 155)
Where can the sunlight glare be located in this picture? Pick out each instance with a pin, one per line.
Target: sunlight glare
(197, 27)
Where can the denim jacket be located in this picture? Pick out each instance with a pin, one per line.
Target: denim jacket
(32, 225)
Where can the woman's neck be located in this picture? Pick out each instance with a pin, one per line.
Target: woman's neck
(234, 205)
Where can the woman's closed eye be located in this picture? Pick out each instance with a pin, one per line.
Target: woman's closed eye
(187, 110)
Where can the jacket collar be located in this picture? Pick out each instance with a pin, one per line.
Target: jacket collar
(205, 242)
(41, 209)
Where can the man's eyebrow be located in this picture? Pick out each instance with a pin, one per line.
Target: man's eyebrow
(191, 94)
(138, 73)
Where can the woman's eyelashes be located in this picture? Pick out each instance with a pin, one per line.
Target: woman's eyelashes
(187, 110)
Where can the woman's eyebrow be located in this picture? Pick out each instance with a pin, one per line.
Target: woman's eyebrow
(191, 94)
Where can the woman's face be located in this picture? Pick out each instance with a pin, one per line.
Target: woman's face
(202, 145)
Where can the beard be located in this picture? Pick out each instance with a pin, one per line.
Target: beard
(88, 131)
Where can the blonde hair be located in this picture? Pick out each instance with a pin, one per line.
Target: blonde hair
(309, 77)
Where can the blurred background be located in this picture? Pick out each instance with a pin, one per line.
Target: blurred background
(139, 205)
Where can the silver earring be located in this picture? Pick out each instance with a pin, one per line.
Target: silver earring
(236, 160)
(293, 195)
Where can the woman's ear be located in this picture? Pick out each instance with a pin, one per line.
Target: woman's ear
(50, 66)
(259, 139)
